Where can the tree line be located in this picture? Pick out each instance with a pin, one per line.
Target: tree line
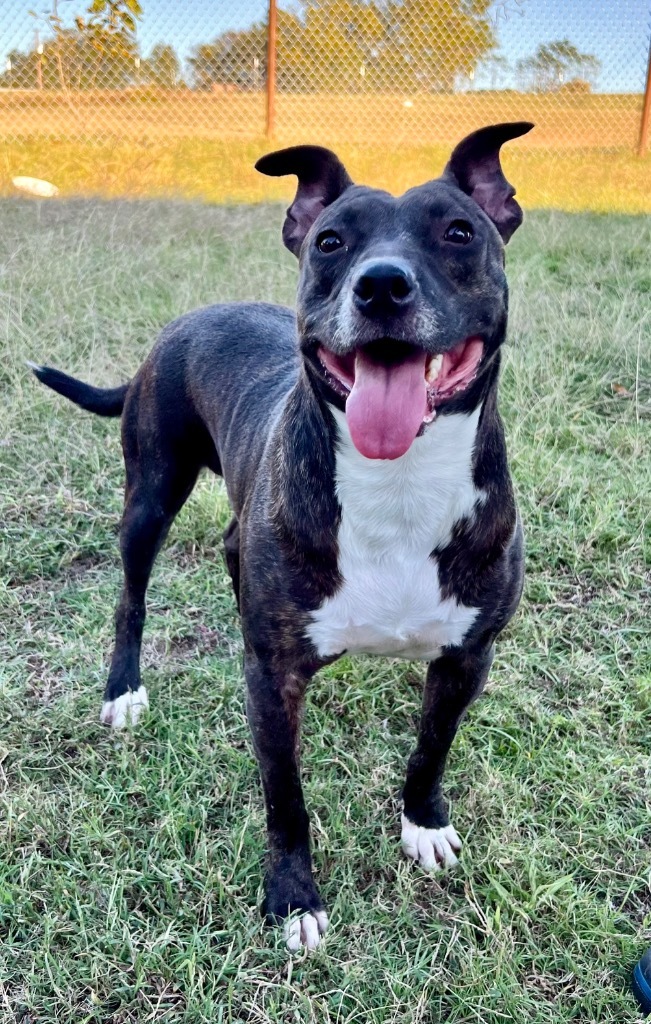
(328, 45)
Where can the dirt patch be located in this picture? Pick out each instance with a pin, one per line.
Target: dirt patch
(83, 563)
(637, 906)
(205, 640)
(185, 646)
(71, 571)
(44, 685)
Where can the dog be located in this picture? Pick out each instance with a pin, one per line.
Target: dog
(365, 464)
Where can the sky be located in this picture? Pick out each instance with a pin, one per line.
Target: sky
(615, 31)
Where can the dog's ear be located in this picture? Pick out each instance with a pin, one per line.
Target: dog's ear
(475, 167)
(321, 179)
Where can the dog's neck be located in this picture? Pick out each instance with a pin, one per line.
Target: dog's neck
(304, 468)
(419, 495)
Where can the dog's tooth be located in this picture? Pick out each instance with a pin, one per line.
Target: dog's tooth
(434, 368)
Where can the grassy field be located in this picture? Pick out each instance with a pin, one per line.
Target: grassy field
(565, 120)
(203, 146)
(130, 866)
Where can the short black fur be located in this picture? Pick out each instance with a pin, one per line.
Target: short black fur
(240, 389)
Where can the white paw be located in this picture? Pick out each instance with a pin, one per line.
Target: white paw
(305, 931)
(433, 848)
(127, 708)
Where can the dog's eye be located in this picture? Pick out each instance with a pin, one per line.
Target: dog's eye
(460, 232)
(328, 241)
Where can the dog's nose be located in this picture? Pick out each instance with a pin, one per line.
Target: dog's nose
(384, 287)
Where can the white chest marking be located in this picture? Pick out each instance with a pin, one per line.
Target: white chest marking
(393, 515)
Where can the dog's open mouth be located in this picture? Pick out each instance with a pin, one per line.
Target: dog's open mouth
(391, 389)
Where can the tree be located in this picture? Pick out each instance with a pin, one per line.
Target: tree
(430, 43)
(348, 45)
(116, 16)
(555, 66)
(497, 69)
(100, 51)
(110, 30)
(341, 40)
(234, 58)
(162, 67)
(21, 71)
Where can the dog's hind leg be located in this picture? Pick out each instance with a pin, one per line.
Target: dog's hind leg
(232, 555)
(152, 502)
(160, 477)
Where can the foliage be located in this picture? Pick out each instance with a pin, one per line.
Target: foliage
(115, 15)
(345, 46)
(100, 52)
(231, 59)
(21, 70)
(77, 59)
(432, 43)
(557, 65)
(162, 67)
(353, 46)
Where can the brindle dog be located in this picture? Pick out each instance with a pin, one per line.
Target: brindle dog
(366, 468)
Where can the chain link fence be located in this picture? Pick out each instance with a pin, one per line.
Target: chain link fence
(160, 81)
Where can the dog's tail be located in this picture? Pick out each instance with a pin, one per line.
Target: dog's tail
(103, 401)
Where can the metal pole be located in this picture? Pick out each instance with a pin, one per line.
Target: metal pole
(646, 111)
(271, 69)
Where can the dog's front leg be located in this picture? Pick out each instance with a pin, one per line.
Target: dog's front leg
(452, 683)
(274, 704)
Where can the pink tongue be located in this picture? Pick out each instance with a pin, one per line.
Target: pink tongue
(387, 405)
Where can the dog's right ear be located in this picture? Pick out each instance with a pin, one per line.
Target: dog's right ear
(321, 179)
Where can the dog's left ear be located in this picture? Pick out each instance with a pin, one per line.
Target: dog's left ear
(321, 179)
(475, 168)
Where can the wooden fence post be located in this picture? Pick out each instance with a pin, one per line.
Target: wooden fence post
(271, 70)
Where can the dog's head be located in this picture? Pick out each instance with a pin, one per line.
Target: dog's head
(402, 302)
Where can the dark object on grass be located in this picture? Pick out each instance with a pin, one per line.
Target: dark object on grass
(641, 983)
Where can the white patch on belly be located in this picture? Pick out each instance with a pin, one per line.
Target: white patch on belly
(393, 515)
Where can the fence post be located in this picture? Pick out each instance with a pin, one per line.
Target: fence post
(646, 110)
(271, 70)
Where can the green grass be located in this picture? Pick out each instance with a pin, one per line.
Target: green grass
(130, 866)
